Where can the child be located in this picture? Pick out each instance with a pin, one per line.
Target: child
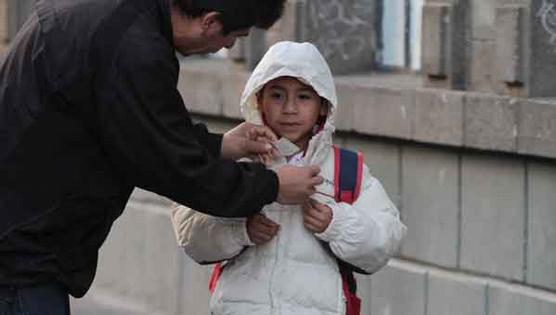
(275, 262)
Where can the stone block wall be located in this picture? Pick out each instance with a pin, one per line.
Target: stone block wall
(504, 47)
(443, 41)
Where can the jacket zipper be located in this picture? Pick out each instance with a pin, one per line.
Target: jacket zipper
(273, 303)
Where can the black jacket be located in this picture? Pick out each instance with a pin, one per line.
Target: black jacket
(89, 110)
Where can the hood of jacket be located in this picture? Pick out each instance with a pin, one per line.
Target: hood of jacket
(304, 62)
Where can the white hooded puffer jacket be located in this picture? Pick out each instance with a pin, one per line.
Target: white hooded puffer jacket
(293, 273)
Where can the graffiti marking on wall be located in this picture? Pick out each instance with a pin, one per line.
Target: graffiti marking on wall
(340, 30)
(547, 13)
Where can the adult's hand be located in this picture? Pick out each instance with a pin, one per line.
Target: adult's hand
(261, 229)
(297, 184)
(247, 140)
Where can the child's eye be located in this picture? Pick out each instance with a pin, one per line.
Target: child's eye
(305, 96)
(276, 95)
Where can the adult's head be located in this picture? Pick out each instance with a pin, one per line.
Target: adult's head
(204, 26)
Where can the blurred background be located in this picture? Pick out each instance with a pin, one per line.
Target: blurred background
(452, 103)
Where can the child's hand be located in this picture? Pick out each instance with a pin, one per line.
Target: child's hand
(261, 229)
(316, 216)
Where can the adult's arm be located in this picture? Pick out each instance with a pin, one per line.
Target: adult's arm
(149, 137)
(211, 141)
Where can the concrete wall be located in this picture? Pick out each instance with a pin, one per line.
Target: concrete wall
(473, 175)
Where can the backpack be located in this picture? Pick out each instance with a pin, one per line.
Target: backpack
(348, 172)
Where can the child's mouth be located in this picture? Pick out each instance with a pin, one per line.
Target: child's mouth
(289, 124)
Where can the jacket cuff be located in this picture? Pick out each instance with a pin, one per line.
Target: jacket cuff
(240, 234)
(214, 144)
(271, 185)
(336, 227)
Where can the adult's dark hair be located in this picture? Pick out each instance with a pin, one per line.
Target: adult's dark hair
(235, 14)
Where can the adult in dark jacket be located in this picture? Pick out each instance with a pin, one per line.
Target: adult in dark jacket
(89, 110)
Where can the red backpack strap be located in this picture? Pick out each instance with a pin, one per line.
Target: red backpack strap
(348, 174)
(353, 302)
(216, 272)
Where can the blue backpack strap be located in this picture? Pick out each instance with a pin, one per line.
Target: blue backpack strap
(348, 172)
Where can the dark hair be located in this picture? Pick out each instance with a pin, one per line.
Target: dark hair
(235, 14)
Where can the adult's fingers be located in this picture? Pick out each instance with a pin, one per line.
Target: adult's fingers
(262, 132)
(316, 180)
(273, 152)
(314, 169)
(297, 184)
(265, 159)
(256, 147)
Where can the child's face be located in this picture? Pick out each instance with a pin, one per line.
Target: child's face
(291, 109)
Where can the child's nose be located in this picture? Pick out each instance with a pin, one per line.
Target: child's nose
(290, 106)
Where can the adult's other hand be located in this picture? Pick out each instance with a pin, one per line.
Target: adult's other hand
(297, 184)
